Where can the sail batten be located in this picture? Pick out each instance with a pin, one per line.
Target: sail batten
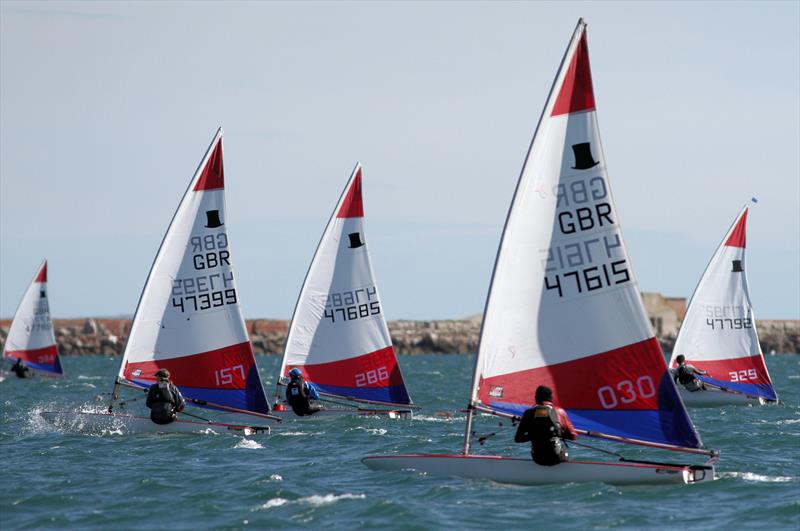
(338, 337)
(564, 308)
(31, 337)
(189, 318)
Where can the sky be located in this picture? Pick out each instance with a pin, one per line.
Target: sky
(106, 108)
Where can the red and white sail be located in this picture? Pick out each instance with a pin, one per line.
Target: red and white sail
(31, 337)
(564, 308)
(718, 333)
(189, 319)
(338, 336)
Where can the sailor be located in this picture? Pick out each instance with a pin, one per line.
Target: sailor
(545, 426)
(19, 369)
(164, 399)
(299, 394)
(684, 374)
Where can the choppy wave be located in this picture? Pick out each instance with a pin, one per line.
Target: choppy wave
(757, 478)
(249, 444)
(314, 500)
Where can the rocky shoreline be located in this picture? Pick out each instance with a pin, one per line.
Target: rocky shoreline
(268, 336)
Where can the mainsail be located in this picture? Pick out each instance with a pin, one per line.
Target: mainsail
(338, 336)
(31, 338)
(718, 333)
(564, 308)
(189, 319)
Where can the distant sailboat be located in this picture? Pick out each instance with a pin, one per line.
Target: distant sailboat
(718, 334)
(189, 319)
(338, 337)
(564, 310)
(31, 338)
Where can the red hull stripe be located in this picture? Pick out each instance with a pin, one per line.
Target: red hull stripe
(577, 93)
(213, 176)
(375, 369)
(224, 368)
(620, 379)
(42, 276)
(41, 356)
(750, 370)
(738, 236)
(352, 207)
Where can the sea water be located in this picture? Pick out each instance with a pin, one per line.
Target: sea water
(308, 473)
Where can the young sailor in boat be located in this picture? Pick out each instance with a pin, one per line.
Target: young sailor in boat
(164, 399)
(684, 375)
(546, 426)
(299, 394)
(19, 369)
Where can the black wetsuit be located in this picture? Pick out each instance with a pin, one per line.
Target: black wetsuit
(164, 401)
(20, 370)
(540, 426)
(297, 395)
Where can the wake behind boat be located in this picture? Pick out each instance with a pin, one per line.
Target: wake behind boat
(338, 339)
(189, 320)
(718, 335)
(564, 311)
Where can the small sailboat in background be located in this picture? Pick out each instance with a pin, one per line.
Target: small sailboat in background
(338, 336)
(31, 339)
(718, 334)
(564, 311)
(189, 321)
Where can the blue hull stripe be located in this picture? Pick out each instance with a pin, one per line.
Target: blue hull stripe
(762, 390)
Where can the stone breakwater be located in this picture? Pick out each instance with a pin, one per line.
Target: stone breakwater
(268, 336)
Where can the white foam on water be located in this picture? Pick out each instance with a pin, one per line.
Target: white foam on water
(373, 431)
(276, 477)
(789, 421)
(274, 502)
(249, 444)
(317, 500)
(758, 478)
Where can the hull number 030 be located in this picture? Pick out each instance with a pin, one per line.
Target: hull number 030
(626, 392)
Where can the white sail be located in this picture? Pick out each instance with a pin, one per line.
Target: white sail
(338, 336)
(564, 308)
(189, 319)
(31, 338)
(718, 333)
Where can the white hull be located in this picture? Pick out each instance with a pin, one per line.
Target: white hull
(288, 414)
(104, 423)
(526, 472)
(714, 398)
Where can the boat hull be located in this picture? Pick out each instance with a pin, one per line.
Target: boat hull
(105, 423)
(288, 414)
(525, 472)
(714, 398)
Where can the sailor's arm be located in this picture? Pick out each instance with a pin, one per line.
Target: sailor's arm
(567, 429)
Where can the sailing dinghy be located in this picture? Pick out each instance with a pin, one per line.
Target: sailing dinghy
(189, 321)
(338, 336)
(31, 338)
(564, 311)
(718, 334)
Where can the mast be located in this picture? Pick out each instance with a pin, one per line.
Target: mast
(576, 35)
(118, 378)
(308, 271)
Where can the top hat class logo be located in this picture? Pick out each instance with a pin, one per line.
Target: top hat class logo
(583, 156)
(212, 219)
(737, 266)
(355, 240)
